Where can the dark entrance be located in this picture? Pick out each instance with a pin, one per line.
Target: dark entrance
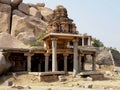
(18, 61)
(50, 63)
(70, 62)
(60, 61)
(38, 63)
(82, 63)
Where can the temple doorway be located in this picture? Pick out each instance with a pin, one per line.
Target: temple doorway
(18, 61)
(38, 63)
(70, 62)
(60, 61)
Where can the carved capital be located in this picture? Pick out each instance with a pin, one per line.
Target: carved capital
(28, 54)
(75, 40)
(65, 54)
(47, 54)
(54, 39)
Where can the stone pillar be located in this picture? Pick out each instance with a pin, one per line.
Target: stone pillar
(54, 54)
(82, 41)
(46, 62)
(79, 63)
(65, 62)
(75, 63)
(29, 56)
(93, 62)
(89, 41)
(39, 67)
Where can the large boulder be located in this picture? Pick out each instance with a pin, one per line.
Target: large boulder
(5, 15)
(24, 8)
(47, 13)
(5, 1)
(40, 4)
(15, 3)
(104, 58)
(26, 37)
(18, 13)
(33, 11)
(21, 30)
(8, 41)
(27, 29)
(116, 57)
(4, 64)
(36, 5)
(36, 23)
(18, 25)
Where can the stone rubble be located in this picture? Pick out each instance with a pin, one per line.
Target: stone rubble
(108, 73)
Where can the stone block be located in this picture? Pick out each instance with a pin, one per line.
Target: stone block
(33, 11)
(15, 3)
(8, 83)
(18, 13)
(89, 85)
(5, 1)
(49, 78)
(62, 78)
(24, 8)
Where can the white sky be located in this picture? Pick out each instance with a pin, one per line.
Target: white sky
(99, 18)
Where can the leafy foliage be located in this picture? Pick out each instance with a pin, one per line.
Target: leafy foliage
(39, 41)
(97, 43)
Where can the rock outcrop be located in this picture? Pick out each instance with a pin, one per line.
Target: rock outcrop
(47, 13)
(108, 56)
(15, 3)
(116, 57)
(4, 64)
(5, 1)
(104, 57)
(24, 21)
(7, 41)
(5, 17)
(24, 8)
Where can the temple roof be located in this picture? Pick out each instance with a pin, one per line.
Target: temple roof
(61, 23)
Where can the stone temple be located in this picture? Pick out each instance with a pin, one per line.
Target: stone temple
(64, 49)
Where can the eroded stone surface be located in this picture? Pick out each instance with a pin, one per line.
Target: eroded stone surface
(5, 15)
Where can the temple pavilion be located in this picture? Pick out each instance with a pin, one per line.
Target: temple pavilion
(64, 49)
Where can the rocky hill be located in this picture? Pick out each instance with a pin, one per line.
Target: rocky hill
(24, 21)
(108, 56)
(116, 57)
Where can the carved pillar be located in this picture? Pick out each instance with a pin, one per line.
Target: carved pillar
(29, 56)
(46, 61)
(82, 41)
(94, 62)
(89, 41)
(54, 54)
(75, 65)
(65, 62)
(79, 63)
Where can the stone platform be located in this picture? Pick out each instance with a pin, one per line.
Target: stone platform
(50, 76)
(95, 75)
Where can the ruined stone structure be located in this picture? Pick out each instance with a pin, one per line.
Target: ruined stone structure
(64, 49)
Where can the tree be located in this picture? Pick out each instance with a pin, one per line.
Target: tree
(97, 43)
(39, 41)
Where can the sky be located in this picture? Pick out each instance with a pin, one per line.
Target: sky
(99, 18)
